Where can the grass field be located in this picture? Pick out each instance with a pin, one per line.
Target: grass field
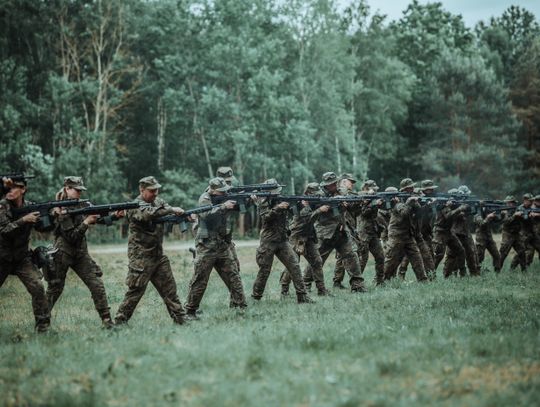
(457, 342)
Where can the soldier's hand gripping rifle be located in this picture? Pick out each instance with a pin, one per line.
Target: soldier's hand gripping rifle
(106, 211)
(4, 180)
(184, 218)
(44, 209)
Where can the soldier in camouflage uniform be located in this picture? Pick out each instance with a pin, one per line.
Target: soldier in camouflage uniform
(15, 256)
(275, 242)
(214, 250)
(384, 219)
(536, 227)
(304, 240)
(401, 236)
(147, 263)
(484, 239)
(70, 240)
(527, 233)
(511, 237)
(368, 232)
(333, 232)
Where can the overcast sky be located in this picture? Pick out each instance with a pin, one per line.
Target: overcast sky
(471, 10)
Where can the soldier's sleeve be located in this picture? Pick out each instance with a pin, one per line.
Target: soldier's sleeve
(203, 201)
(403, 208)
(479, 220)
(72, 232)
(268, 213)
(149, 213)
(6, 225)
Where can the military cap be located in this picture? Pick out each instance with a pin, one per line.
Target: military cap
(453, 191)
(406, 183)
(218, 184)
(537, 198)
(329, 178)
(273, 181)
(225, 172)
(370, 184)
(311, 188)
(391, 189)
(464, 189)
(74, 182)
(528, 196)
(510, 198)
(17, 182)
(349, 176)
(428, 184)
(149, 183)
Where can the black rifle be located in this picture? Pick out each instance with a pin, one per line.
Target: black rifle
(242, 199)
(19, 176)
(43, 208)
(183, 219)
(105, 211)
(253, 188)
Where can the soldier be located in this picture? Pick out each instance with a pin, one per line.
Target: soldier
(368, 232)
(536, 227)
(15, 256)
(304, 240)
(484, 239)
(333, 232)
(384, 219)
(527, 233)
(214, 251)
(70, 241)
(346, 187)
(511, 228)
(275, 242)
(147, 263)
(401, 235)
(462, 231)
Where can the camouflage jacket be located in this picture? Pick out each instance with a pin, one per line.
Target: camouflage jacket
(145, 238)
(401, 221)
(484, 228)
(14, 235)
(274, 222)
(70, 234)
(511, 223)
(445, 218)
(536, 226)
(368, 223)
(427, 220)
(461, 223)
(302, 225)
(329, 223)
(527, 226)
(214, 227)
(383, 219)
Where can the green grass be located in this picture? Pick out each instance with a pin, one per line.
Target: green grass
(471, 341)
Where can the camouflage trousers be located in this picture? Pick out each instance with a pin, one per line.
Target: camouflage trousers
(397, 248)
(532, 246)
(221, 259)
(442, 240)
(365, 246)
(310, 251)
(511, 241)
(265, 257)
(425, 245)
(343, 243)
(156, 270)
(488, 244)
(29, 275)
(458, 261)
(87, 270)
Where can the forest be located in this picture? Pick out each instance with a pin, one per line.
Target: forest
(117, 90)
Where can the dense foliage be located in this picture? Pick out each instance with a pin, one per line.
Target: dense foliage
(116, 90)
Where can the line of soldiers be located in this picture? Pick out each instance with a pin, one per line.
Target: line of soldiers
(406, 232)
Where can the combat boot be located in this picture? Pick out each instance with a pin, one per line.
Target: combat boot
(191, 316)
(284, 290)
(42, 324)
(338, 285)
(107, 323)
(304, 299)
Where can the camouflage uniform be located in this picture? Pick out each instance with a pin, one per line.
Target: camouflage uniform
(304, 240)
(368, 232)
(484, 240)
(444, 237)
(70, 240)
(511, 238)
(15, 259)
(147, 263)
(461, 230)
(274, 242)
(214, 251)
(333, 233)
(527, 235)
(536, 228)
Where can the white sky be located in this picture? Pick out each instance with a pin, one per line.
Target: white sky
(471, 10)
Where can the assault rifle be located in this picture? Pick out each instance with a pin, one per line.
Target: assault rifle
(43, 208)
(242, 198)
(254, 188)
(104, 211)
(19, 176)
(184, 218)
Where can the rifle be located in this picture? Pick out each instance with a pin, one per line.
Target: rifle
(254, 188)
(104, 211)
(183, 219)
(44, 207)
(16, 176)
(241, 198)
